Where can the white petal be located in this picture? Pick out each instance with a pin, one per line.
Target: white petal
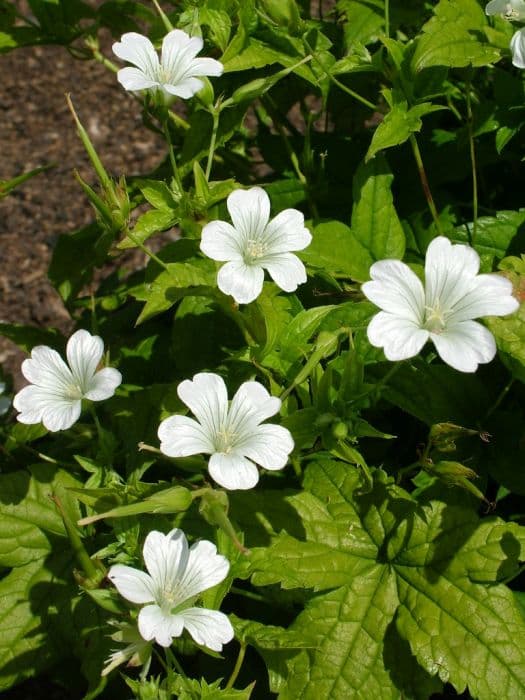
(206, 66)
(207, 397)
(517, 48)
(166, 557)
(449, 272)
(286, 270)
(177, 47)
(138, 50)
(48, 370)
(249, 210)
(132, 584)
(400, 338)
(287, 232)
(204, 569)
(181, 436)
(465, 345)
(490, 295)
(209, 628)
(102, 386)
(269, 446)
(395, 288)
(243, 282)
(84, 351)
(185, 88)
(220, 241)
(134, 79)
(37, 404)
(155, 624)
(233, 471)
(496, 7)
(251, 404)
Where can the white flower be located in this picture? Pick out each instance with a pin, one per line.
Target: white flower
(517, 48)
(178, 72)
(136, 653)
(55, 394)
(176, 576)
(508, 9)
(443, 311)
(231, 434)
(254, 244)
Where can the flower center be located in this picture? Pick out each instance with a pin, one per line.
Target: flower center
(435, 318)
(74, 392)
(254, 250)
(224, 441)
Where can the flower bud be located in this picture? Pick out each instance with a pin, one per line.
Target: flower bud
(283, 12)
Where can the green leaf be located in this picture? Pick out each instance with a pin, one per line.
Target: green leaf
(147, 225)
(195, 276)
(509, 331)
(26, 337)
(380, 560)
(335, 249)
(400, 122)
(28, 517)
(375, 223)
(494, 234)
(364, 20)
(455, 37)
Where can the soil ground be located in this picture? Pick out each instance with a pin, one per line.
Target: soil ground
(36, 128)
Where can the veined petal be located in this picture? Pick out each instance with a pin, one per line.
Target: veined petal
(178, 47)
(206, 66)
(84, 351)
(465, 345)
(204, 569)
(517, 48)
(185, 89)
(220, 241)
(156, 624)
(286, 270)
(166, 557)
(209, 628)
(138, 50)
(132, 584)
(103, 384)
(37, 404)
(396, 289)
(399, 337)
(250, 406)
(490, 295)
(287, 232)
(48, 370)
(134, 79)
(269, 446)
(233, 471)
(250, 211)
(61, 415)
(181, 436)
(243, 282)
(207, 397)
(449, 272)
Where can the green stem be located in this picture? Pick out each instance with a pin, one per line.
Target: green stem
(173, 663)
(149, 253)
(473, 165)
(387, 18)
(339, 84)
(237, 667)
(173, 161)
(272, 111)
(503, 393)
(424, 183)
(165, 21)
(178, 120)
(215, 114)
(83, 558)
(247, 594)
